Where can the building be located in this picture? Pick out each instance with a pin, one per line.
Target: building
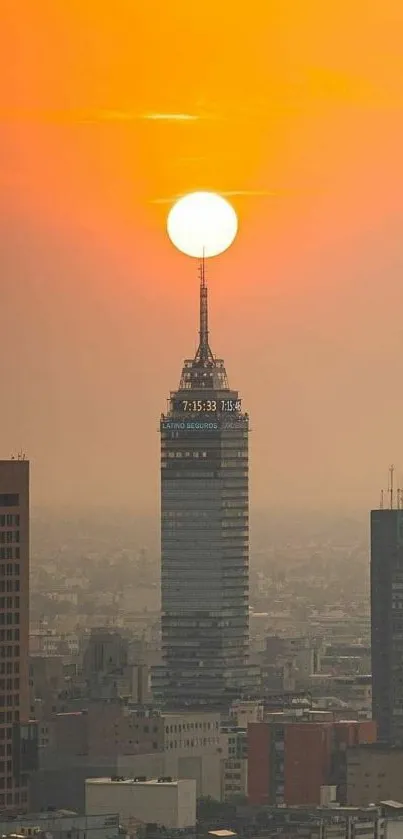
(235, 767)
(290, 762)
(374, 774)
(62, 824)
(111, 740)
(242, 713)
(163, 801)
(205, 535)
(105, 729)
(387, 623)
(17, 736)
(325, 822)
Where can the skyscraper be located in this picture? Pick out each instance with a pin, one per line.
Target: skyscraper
(387, 623)
(204, 534)
(17, 736)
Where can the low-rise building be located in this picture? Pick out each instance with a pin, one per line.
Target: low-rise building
(290, 761)
(321, 823)
(374, 774)
(163, 801)
(63, 824)
(235, 766)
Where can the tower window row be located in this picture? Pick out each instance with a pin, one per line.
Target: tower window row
(9, 553)
(12, 568)
(7, 536)
(9, 520)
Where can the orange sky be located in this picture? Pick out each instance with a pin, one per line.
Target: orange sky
(295, 108)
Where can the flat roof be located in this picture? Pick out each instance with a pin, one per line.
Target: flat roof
(395, 805)
(190, 713)
(132, 781)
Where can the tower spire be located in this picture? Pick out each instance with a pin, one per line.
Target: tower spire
(204, 354)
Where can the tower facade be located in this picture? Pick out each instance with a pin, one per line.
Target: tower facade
(204, 534)
(18, 739)
(387, 623)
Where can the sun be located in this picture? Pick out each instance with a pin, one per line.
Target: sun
(202, 224)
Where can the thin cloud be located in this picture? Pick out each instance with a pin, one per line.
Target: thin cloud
(84, 116)
(243, 193)
(172, 117)
(250, 193)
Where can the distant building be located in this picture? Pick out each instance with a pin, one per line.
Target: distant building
(387, 623)
(325, 822)
(235, 767)
(62, 824)
(105, 729)
(374, 774)
(290, 762)
(113, 740)
(108, 671)
(241, 713)
(18, 738)
(165, 801)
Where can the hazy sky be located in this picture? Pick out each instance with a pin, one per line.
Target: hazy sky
(295, 107)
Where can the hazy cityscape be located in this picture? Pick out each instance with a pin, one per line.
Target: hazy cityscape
(104, 566)
(201, 475)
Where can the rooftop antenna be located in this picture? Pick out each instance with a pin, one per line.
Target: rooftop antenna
(381, 501)
(391, 474)
(204, 353)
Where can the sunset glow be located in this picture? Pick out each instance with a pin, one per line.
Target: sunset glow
(291, 109)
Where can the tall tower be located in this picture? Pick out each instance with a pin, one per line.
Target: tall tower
(387, 616)
(387, 622)
(204, 534)
(18, 738)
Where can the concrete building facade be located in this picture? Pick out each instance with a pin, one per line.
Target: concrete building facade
(189, 746)
(163, 801)
(63, 825)
(17, 735)
(374, 774)
(387, 623)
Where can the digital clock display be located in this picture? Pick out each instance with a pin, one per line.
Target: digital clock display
(207, 406)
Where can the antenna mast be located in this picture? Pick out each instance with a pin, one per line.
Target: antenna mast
(204, 353)
(391, 474)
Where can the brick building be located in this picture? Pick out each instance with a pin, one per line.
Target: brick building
(289, 762)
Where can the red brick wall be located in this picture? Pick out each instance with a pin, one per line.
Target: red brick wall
(307, 754)
(259, 763)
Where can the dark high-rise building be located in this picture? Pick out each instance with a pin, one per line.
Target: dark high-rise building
(17, 736)
(205, 534)
(387, 623)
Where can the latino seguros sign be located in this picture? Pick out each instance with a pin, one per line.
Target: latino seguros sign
(190, 426)
(176, 425)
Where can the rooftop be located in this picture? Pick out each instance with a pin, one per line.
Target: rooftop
(139, 781)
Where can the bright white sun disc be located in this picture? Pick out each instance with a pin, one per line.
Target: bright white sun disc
(202, 224)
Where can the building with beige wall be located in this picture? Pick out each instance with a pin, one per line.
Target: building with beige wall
(243, 712)
(106, 729)
(374, 774)
(163, 801)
